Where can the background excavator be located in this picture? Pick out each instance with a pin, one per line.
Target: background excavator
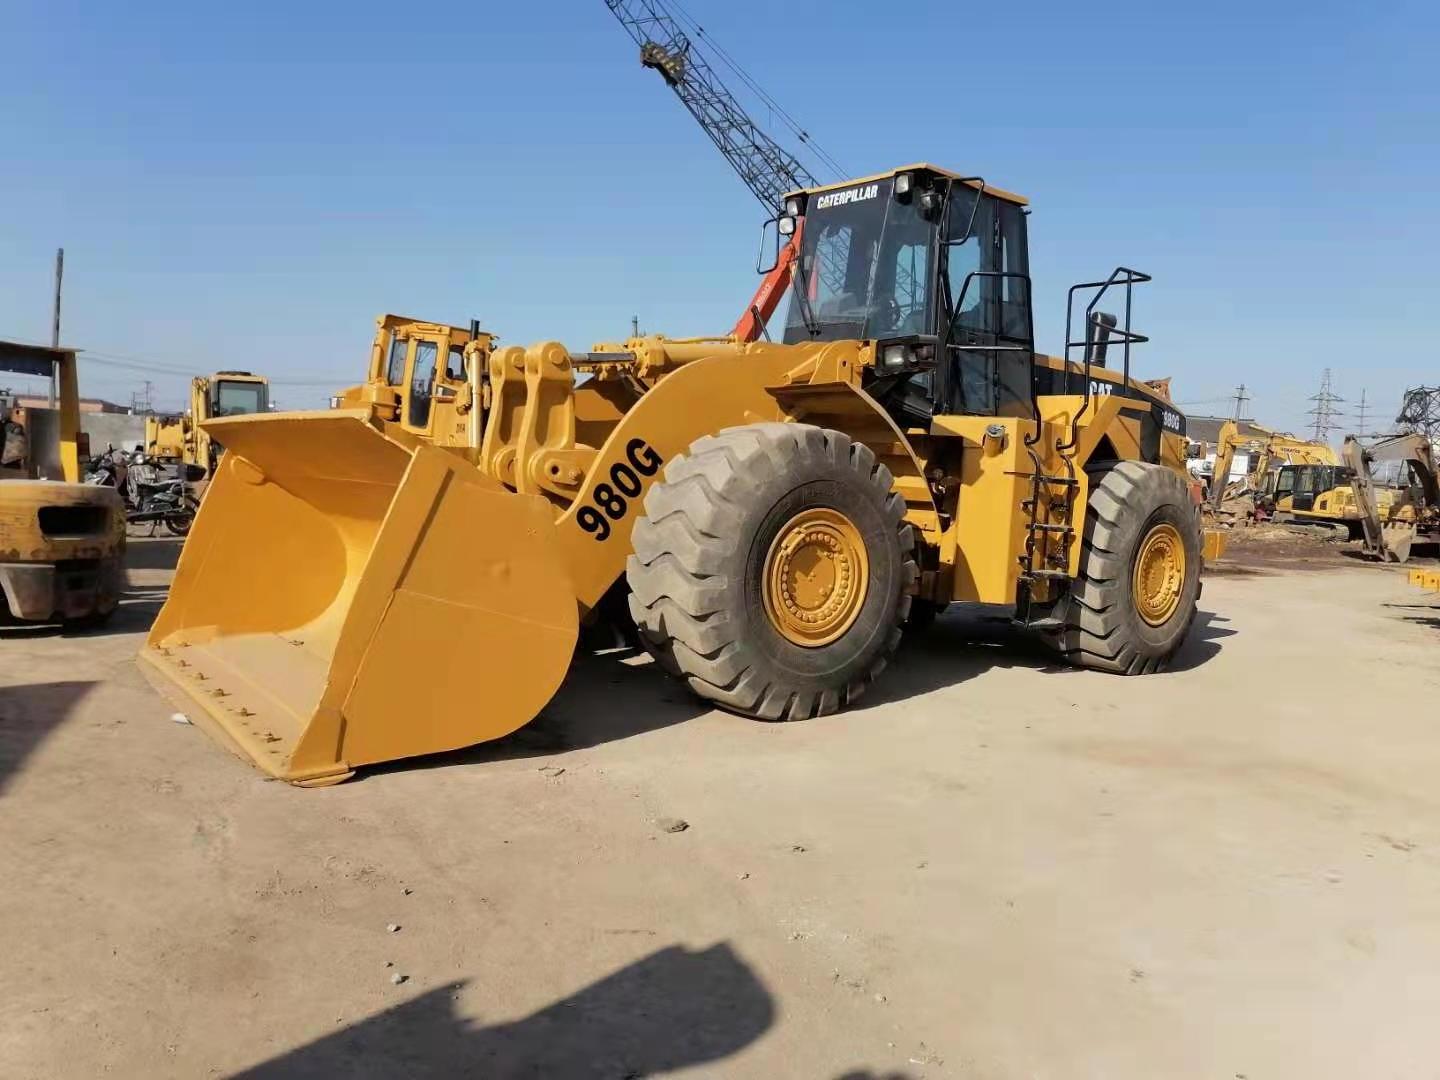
(1408, 522)
(1268, 453)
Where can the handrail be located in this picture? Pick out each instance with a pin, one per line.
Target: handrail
(1121, 275)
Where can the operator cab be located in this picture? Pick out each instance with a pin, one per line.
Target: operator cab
(1303, 484)
(933, 267)
(238, 393)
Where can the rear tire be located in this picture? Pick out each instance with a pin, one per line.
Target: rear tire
(772, 570)
(1137, 513)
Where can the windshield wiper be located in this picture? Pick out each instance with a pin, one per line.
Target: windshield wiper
(803, 296)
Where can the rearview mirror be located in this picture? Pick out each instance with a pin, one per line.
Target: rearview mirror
(769, 225)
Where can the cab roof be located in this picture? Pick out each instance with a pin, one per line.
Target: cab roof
(920, 166)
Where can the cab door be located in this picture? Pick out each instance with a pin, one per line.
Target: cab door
(990, 366)
(451, 399)
(436, 398)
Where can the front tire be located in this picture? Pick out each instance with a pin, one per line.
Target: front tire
(772, 570)
(1133, 603)
(179, 524)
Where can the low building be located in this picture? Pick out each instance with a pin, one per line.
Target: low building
(87, 405)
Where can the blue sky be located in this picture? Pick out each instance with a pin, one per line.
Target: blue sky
(249, 185)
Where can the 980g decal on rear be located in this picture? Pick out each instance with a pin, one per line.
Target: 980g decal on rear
(611, 502)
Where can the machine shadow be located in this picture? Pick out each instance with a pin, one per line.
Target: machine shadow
(672, 1009)
(139, 603)
(959, 646)
(620, 693)
(1203, 644)
(161, 553)
(28, 716)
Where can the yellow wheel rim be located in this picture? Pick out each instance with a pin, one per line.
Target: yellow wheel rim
(816, 574)
(1159, 576)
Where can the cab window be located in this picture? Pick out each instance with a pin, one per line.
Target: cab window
(239, 398)
(831, 279)
(1014, 259)
(974, 255)
(455, 368)
(422, 383)
(395, 366)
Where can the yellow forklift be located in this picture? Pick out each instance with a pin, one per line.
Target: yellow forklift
(62, 543)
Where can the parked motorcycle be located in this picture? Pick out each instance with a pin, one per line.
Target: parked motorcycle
(154, 493)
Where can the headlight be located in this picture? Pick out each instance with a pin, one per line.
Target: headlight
(904, 183)
(895, 357)
(786, 225)
(792, 207)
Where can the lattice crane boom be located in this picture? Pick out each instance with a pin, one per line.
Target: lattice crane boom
(766, 167)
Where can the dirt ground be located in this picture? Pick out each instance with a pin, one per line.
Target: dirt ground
(1252, 548)
(995, 868)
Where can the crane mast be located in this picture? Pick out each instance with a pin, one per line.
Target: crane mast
(766, 167)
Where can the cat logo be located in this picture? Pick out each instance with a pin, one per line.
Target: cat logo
(841, 198)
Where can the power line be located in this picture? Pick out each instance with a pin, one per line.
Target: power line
(1327, 417)
(143, 401)
(128, 362)
(1420, 411)
(1240, 398)
(1206, 401)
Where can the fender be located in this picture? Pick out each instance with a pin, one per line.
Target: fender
(700, 399)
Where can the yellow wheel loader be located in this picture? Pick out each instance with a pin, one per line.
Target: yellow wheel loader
(446, 402)
(356, 590)
(62, 543)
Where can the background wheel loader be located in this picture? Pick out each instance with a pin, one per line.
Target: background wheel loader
(62, 543)
(421, 388)
(777, 511)
(183, 439)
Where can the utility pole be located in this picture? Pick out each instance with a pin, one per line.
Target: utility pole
(142, 403)
(1325, 414)
(634, 326)
(1360, 412)
(55, 325)
(1240, 398)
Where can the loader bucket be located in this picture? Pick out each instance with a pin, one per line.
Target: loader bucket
(343, 599)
